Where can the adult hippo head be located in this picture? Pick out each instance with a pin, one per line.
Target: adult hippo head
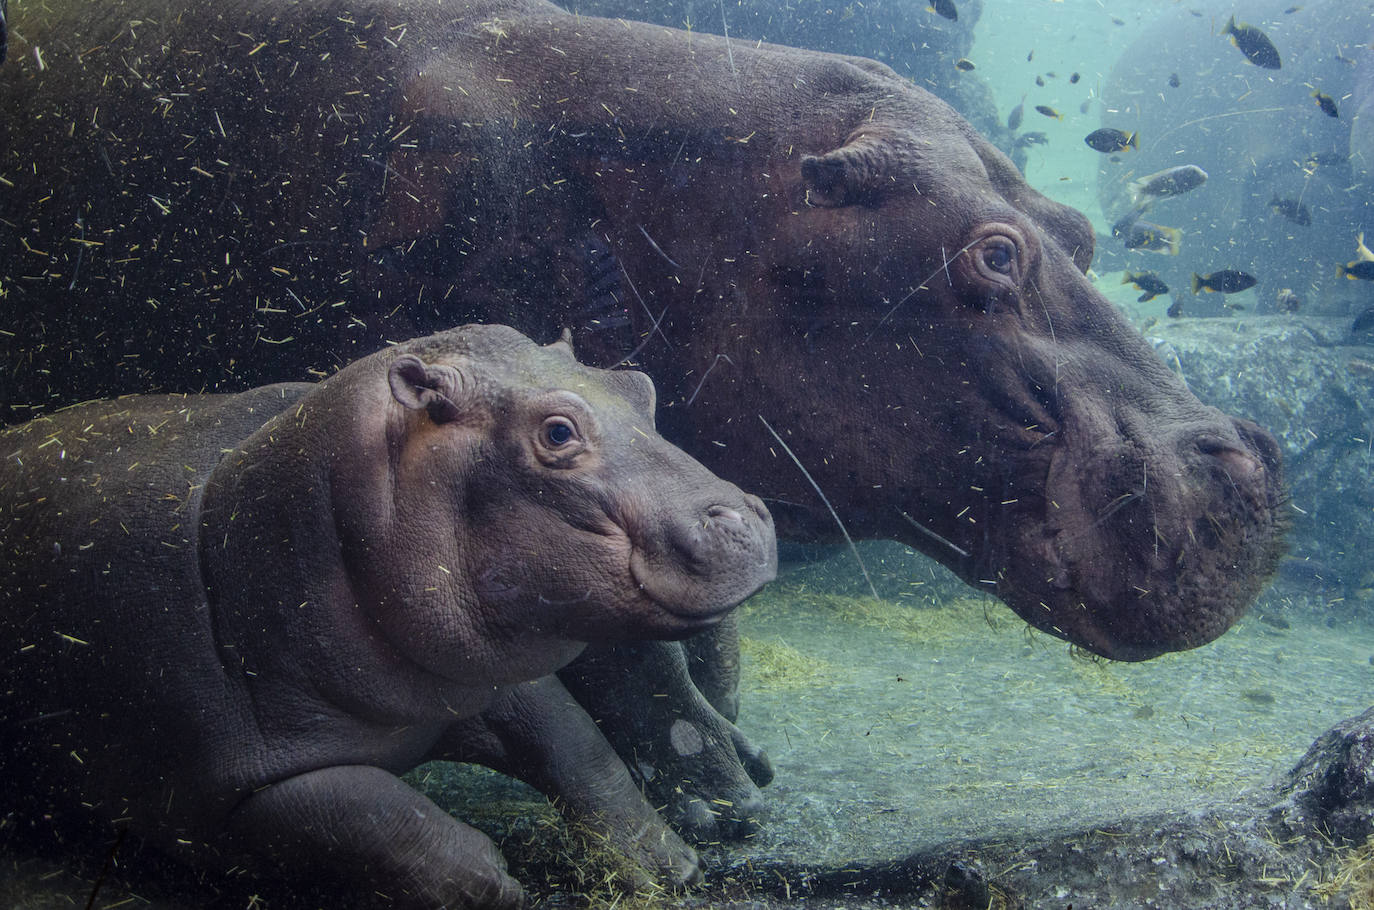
(770, 232)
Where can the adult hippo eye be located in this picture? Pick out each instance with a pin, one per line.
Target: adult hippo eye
(1000, 256)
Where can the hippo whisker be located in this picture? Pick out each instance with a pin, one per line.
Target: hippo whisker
(944, 266)
(960, 551)
(658, 249)
(1118, 504)
(719, 358)
(833, 514)
(566, 603)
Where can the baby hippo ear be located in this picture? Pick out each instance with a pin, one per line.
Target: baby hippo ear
(440, 389)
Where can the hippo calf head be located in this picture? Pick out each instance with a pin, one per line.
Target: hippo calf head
(563, 513)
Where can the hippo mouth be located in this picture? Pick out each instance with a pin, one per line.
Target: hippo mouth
(1143, 552)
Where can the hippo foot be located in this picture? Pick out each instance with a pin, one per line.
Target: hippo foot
(363, 828)
(688, 758)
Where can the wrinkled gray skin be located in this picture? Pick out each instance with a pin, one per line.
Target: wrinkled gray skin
(766, 231)
(231, 620)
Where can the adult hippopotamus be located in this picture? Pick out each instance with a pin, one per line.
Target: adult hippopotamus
(201, 192)
(231, 620)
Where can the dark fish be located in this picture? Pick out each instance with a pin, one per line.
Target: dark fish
(1175, 309)
(1227, 281)
(1073, 78)
(1291, 209)
(1030, 55)
(1049, 111)
(944, 8)
(1173, 80)
(1148, 282)
(963, 63)
(1107, 140)
(1172, 181)
(1254, 44)
(1291, 10)
(1362, 329)
(1362, 269)
(1083, 108)
(1040, 81)
(1116, 21)
(1036, 138)
(1017, 114)
(1327, 104)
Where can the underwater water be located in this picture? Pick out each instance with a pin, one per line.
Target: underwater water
(920, 717)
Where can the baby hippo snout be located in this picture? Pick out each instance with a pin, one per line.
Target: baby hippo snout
(711, 557)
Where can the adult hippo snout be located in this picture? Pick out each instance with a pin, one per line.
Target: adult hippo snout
(1150, 521)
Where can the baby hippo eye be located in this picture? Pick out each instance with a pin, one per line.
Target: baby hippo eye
(558, 432)
(1000, 256)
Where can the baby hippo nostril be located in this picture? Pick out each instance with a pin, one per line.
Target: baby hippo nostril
(724, 513)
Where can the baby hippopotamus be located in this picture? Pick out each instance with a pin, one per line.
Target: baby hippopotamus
(229, 621)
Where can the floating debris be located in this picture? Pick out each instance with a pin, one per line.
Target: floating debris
(1254, 44)
(1287, 301)
(1225, 281)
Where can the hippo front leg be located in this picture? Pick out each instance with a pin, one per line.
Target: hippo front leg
(364, 829)
(687, 756)
(537, 733)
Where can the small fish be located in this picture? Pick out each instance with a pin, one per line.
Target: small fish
(1254, 44)
(1073, 78)
(1173, 181)
(1030, 55)
(1036, 138)
(944, 8)
(1145, 235)
(1107, 140)
(1040, 81)
(1116, 21)
(1291, 10)
(1362, 329)
(1362, 269)
(1226, 281)
(1048, 111)
(1291, 209)
(1362, 253)
(1175, 309)
(1017, 114)
(964, 63)
(1085, 106)
(1173, 80)
(1327, 104)
(1327, 159)
(1148, 282)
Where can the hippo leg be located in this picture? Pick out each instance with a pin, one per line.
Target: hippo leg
(686, 755)
(713, 662)
(537, 733)
(361, 826)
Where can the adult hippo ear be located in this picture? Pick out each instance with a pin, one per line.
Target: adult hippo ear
(441, 389)
(852, 173)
